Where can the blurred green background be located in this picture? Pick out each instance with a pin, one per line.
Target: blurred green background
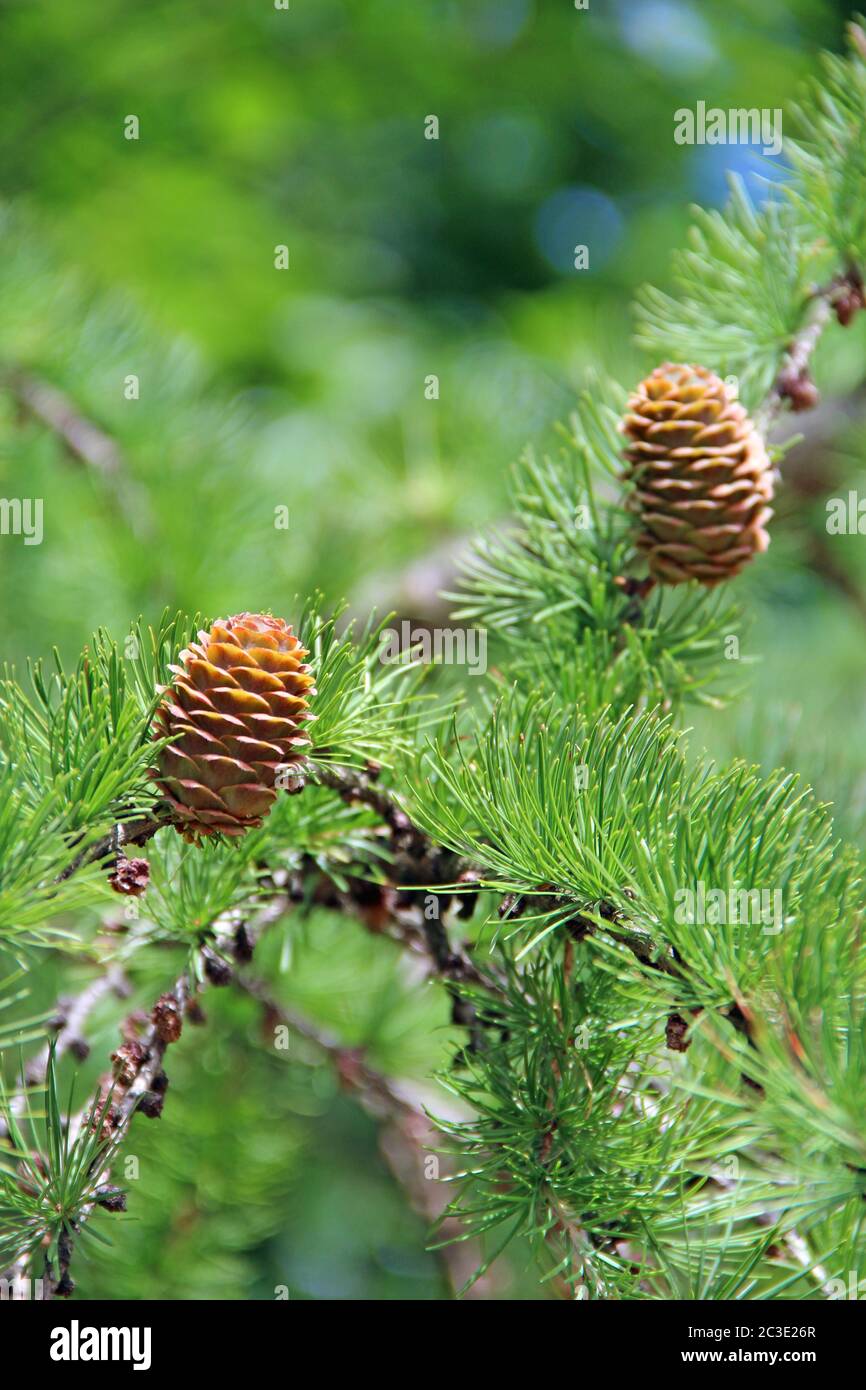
(260, 388)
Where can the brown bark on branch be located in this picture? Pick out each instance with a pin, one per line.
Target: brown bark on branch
(793, 385)
(111, 846)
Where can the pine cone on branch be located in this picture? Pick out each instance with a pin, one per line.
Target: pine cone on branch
(702, 477)
(234, 713)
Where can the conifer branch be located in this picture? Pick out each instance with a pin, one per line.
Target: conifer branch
(357, 786)
(139, 1084)
(793, 386)
(574, 801)
(419, 864)
(68, 1023)
(111, 846)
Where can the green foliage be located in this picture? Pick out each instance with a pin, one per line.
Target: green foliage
(746, 279)
(612, 821)
(366, 709)
(83, 735)
(191, 886)
(575, 1113)
(743, 284)
(75, 760)
(828, 157)
(552, 588)
(48, 1179)
(36, 851)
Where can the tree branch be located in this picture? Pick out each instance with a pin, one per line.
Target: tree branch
(843, 296)
(131, 832)
(407, 1137)
(86, 442)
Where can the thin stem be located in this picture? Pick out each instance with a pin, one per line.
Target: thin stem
(131, 832)
(407, 1137)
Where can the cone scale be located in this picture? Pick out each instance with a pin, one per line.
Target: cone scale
(234, 713)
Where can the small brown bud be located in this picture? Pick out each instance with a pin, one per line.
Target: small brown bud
(633, 587)
(151, 1104)
(218, 971)
(676, 1034)
(242, 947)
(127, 1062)
(79, 1047)
(195, 1013)
(111, 1198)
(105, 1118)
(159, 1083)
(130, 877)
(167, 1019)
(798, 389)
(59, 1019)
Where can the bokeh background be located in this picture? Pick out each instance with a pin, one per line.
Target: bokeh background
(261, 388)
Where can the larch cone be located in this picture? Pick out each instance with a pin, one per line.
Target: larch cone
(234, 713)
(702, 478)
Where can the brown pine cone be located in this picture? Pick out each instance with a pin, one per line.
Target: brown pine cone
(702, 478)
(234, 712)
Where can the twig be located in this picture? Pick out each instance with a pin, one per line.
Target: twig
(399, 908)
(86, 442)
(356, 786)
(120, 1097)
(70, 1019)
(406, 1135)
(139, 1083)
(131, 832)
(580, 926)
(843, 295)
(417, 860)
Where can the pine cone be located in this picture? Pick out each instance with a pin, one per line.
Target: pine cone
(234, 713)
(701, 473)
